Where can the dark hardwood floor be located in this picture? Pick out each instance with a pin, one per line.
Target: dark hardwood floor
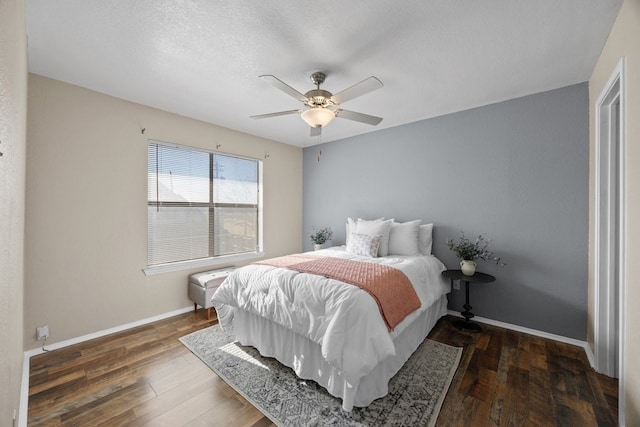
(508, 378)
(145, 376)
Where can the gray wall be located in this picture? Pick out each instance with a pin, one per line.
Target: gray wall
(515, 172)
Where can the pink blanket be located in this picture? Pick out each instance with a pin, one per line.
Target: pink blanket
(390, 287)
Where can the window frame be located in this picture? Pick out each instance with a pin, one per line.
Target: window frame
(211, 261)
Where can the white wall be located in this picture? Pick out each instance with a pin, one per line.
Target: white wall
(86, 211)
(13, 115)
(624, 40)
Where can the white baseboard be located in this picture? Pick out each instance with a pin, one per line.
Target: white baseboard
(535, 332)
(24, 391)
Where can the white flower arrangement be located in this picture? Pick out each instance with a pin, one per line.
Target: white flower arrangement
(469, 250)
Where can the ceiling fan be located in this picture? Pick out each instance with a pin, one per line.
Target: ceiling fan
(322, 104)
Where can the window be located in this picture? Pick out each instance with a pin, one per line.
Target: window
(201, 205)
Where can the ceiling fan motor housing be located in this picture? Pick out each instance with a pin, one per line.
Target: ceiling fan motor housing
(319, 98)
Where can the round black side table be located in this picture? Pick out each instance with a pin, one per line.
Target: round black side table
(478, 277)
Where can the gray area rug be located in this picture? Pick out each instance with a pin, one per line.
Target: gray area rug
(415, 396)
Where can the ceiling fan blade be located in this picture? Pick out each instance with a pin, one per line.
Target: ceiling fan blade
(358, 117)
(358, 89)
(280, 113)
(316, 131)
(273, 80)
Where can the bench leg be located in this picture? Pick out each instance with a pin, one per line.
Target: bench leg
(209, 313)
(195, 307)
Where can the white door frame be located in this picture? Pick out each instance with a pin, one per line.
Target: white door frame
(610, 231)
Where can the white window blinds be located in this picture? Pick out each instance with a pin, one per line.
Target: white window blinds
(200, 204)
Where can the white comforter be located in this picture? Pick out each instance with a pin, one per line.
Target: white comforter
(343, 319)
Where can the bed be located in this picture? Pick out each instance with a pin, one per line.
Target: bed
(330, 331)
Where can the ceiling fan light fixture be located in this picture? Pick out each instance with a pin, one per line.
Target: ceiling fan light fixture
(318, 117)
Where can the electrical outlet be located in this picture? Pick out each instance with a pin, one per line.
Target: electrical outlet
(456, 285)
(42, 332)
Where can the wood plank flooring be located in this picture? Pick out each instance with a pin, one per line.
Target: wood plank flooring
(146, 377)
(507, 378)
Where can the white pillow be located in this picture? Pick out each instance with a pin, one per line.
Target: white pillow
(353, 223)
(351, 228)
(364, 244)
(403, 238)
(376, 227)
(425, 239)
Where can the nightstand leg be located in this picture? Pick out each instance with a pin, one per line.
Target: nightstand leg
(467, 324)
(467, 307)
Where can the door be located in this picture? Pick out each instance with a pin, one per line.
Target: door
(610, 230)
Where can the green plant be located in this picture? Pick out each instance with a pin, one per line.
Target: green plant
(321, 236)
(471, 250)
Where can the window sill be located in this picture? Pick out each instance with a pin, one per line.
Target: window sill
(205, 262)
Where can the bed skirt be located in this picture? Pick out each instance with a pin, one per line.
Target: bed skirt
(305, 357)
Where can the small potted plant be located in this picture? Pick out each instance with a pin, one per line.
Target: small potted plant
(320, 237)
(468, 251)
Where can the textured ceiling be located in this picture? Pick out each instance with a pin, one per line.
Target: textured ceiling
(202, 58)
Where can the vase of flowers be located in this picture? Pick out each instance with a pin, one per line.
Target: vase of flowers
(468, 251)
(320, 237)
(468, 267)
